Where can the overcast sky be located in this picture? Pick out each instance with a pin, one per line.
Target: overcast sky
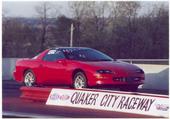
(27, 9)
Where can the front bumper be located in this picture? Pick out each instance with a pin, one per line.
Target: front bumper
(101, 80)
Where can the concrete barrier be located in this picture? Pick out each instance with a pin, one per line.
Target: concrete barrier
(8, 65)
(157, 75)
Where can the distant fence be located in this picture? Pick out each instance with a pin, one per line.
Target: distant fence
(156, 71)
(147, 61)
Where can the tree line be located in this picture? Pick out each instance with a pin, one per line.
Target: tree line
(118, 29)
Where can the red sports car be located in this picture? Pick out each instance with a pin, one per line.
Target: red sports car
(78, 67)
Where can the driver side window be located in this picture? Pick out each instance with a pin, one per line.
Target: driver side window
(53, 55)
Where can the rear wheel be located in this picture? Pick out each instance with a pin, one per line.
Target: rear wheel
(79, 81)
(29, 78)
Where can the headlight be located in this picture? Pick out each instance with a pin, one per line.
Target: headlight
(139, 71)
(104, 71)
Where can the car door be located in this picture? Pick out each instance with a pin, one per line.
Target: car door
(54, 67)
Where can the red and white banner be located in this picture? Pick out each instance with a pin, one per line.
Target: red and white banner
(119, 102)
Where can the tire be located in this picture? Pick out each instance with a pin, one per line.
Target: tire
(79, 80)
(29, 78)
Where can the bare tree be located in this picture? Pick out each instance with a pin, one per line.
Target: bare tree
(78, 9)
(5, 12)
(123, 16)
(117, 28)
(43, 11)
(90, 17)
(128, 10)
(5, 20)
(99, 13)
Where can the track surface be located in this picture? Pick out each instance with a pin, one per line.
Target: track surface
(13, 106)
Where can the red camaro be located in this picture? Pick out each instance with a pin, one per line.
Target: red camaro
(77, 67)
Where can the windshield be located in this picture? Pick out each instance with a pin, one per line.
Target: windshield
(87, 55)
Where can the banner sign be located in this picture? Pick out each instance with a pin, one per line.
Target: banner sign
(128, 103)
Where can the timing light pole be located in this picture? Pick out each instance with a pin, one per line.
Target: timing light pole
(71, 35)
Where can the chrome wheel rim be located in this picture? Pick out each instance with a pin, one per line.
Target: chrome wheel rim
(79, 82)
(29, 79)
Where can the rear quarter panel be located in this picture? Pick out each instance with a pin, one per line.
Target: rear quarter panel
(22, 65)
(25, 64)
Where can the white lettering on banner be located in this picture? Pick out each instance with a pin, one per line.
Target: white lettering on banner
(128, 103)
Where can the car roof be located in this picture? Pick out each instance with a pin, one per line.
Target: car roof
(70, 48)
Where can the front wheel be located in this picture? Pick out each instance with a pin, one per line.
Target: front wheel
(29, 78)
(79, 80)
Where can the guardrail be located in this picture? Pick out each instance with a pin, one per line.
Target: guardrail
(147, 61)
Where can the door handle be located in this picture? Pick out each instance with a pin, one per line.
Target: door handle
(60, 61)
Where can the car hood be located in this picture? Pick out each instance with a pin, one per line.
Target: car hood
(114, 65)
